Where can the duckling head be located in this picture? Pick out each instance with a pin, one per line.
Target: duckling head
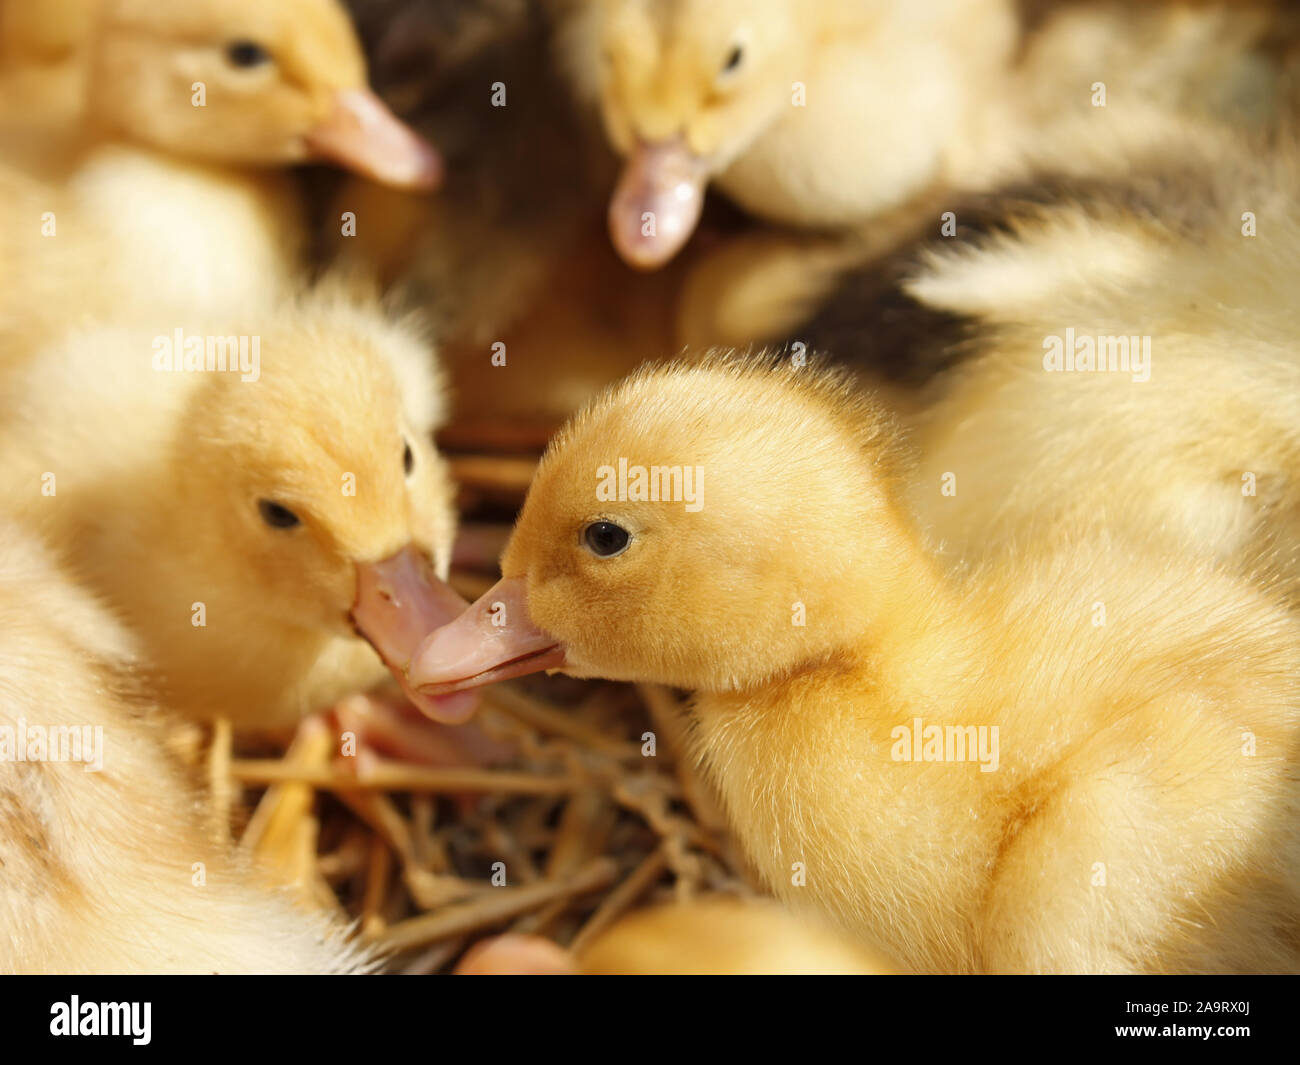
(711, 527)
(684, 87)
(248, 82)
(326, 508)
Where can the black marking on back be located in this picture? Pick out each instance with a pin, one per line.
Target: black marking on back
(871, 324)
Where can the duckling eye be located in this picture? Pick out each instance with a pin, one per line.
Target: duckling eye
(734, 58)
(246, 54)
(604, 539)
(408, 459)
(277, 516)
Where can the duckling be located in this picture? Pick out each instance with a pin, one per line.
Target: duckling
(807, 114)
(1104, 70)
(1080, 756)
(174, 177)
(105, 864)
(1118, 339)
(712, 935)
(246, 493)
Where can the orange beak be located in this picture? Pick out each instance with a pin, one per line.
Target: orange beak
(494, 639)
(364, 136)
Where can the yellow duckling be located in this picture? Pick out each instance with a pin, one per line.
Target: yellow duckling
(105, 863)
(1080, 758)
(1124, 347)
(243, 521)
(1109, 71)
(811, 114)
(167, 186)
(44, 32)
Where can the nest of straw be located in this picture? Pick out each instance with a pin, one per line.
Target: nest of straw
(587, 808)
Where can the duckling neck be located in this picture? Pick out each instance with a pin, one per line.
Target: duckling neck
(830, 805)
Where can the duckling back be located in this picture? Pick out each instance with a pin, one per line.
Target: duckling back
(1137, 360)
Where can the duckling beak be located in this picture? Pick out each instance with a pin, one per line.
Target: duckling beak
(399, 601)
(363, 135)
(493, 640)
(657, 203)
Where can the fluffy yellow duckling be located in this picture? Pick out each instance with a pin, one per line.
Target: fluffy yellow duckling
(167, 186)
(1081, 758)
(812, 114)
(105, 863)
(244, 521)
(708, 936)
(1114, 70)
(1124, 346)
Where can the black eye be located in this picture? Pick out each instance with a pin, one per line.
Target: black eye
(276, 516)
(247, 54)
(734, 58)
(408, 459)
(605, 539)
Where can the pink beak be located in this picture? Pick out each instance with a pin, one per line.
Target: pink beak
(517, 955)
(493, 640)
(399, 602)
(363, 135)
(657, 203)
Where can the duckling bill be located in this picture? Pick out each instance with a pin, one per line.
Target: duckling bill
(492, 640)
(361, 134)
